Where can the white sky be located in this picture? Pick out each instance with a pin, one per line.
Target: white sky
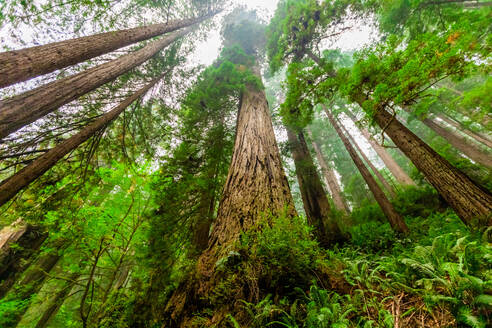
(207, 51)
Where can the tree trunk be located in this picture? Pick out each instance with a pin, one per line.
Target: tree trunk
(478, 137)
(32, 105)
(11, 186)
(57, 301)
(331, 180)
(373, 168)
(461, 143)
(469, 200)
(313, 196)
(393, 217)
(256, 186)
(21, 65)
(204, 222)
(400, 175)
(14, 261)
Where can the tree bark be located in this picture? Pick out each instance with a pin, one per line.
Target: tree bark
(21, 65)
(469, 200)
(11, 186)
(373, 168)
(395, 220)
(313, 195)
(478, 137)
(14, 261)
(256, 187)
(331, 180)
(26, 108)
(461, 143)
(400, 175)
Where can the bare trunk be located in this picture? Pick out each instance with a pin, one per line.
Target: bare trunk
(256, 186)
(21, 65)
(26, 108)
(374, 169)
(400, 175)
(57, 301)
(469, 200)
(11, 186)
(313, 196)
(395, 220)
(478, 137)
(13, 261)
(331, 180)
(461, 143)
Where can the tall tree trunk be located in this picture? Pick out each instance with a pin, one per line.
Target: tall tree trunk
(13, 261)
(461, 143)
(468, 199)
(395, 220)
(32, 105)
(331, 180)
(11, 186)
(373, 168)
(57, 301)
(313, 195)
(400, 175)
(21, 65)
(478, 137)
(256, 186)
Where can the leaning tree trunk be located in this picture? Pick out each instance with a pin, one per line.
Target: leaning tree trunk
(11, 186)
(468, 199)
(313, 195)
(478, 137)
(331, 180)
(21, 65)
(256, 187)
(32, 105)
(57, 301)
(14, 260)
(400, 175)
(461, 143)
(395, 220)
(373, 168)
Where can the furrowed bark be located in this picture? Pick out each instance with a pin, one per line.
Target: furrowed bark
(313, 195)
(26, 108)
(11, 186)
(395, 220)
(468, 199)
(400, 175)
(331, 180)
(461, 143)
(21, 65)
(373, 168)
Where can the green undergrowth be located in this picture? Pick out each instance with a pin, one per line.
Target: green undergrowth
(439, 275)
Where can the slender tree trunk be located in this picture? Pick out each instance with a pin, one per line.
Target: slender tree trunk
(26, 108)
(373, 168)
(478, 137)
(21, 65)
(395, 220)
(313, 195)
(14, 261)
(57, 301)
(461, 143)
(256, 186)
(331, 180)
(469, 200)
(204, 222)
(395, 169)
(11, 186)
